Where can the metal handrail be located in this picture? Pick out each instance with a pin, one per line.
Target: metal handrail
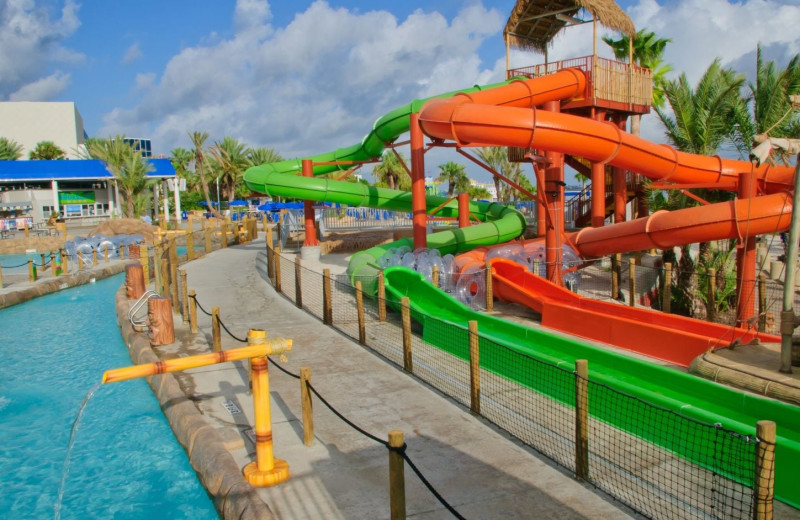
(136, 307)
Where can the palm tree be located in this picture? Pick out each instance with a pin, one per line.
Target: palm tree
(263, 155)
(455, 175)
(391, 173)
(771, 112)
(478, 193)
(497, 159)
(230, 162)
(132, 181)
(10, 150)
(703, 118)
(46, 151)
(198, 140)
(648, 52)
(114, 153)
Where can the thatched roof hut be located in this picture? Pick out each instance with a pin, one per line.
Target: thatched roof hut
(533, 23)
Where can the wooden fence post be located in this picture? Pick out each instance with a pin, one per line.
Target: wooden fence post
(215, 332)
(581, 419)
(270, 254)
(435, 276)
(105, 255)
(80, 268)
(382, 297)
(308, 410)
(764, 482)
(190, 245)
(159, 321)
(94, 258)
(489, 295)
(362, 331)
(157, 261)
(223, 226)
(666, 304)
(474, 368)
(616, 259)
(193, 311)
(632, 282)
(327, 309)
(144, 258)
(278, 269)
(173, 274)
(31, 275)
(408, 362)
(711, 297)
(122, 250)
(397, 479)
(53, 263)
(184, 297)
(64, 262)
(298, 293)
(1, 276)
(762, 302)
(207, 231)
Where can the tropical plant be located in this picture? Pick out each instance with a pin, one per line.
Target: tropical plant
(702, 119)
(180, 159)
(391, 173)
(478, 193)
(230, 160)
(455, 175)
(46, 151)
(127, 166)
(497, 159)
(10, 150)
(263, 155)
(769, 109)
(198, 141)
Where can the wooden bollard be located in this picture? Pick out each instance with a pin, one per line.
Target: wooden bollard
(666, 304)
(94, 258)
(489, 295)
(190, 245)
(43, 260)
(362, 330)
(278, 269)
(165, 285)
(122, 251)
(144, 258)
(408, 361)
(711, 297)
(327, 308)
(31, 271)
(762, 302)
(216, 337)
(53, 264)
(173, 275)
(184, 297)
(632, 282)
(270, 256)
(435, 276)
(105, 254)
(474, 368)
(382, 297)
(307, 405)
(298, 293)
(224, 231)
(80, 262)
(159, 321)
(764, 481)
(1, 276)
(264, 222)
(193, 311)
(581, 419)
(157, 261)
(134, 281)
(397, 477)
(207, 232)
(64, 262)
(615, 267)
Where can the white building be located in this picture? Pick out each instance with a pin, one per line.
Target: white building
(30, 122)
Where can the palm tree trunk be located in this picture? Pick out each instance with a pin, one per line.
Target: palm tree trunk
(206, 194)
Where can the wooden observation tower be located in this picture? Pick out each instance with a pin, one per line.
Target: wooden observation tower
(615, 91)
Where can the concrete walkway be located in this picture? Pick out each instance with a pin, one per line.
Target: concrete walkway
(479, 470)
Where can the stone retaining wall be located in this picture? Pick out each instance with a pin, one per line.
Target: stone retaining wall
(219, 473)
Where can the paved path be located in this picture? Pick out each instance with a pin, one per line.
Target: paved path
(482, 472)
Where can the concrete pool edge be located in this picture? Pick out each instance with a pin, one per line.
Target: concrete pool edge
(216, 468)
(14, 296)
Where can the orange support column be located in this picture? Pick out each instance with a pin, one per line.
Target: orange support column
(746, 261)
(308, 209)
(463, 210)
(554, 194)
(620, 187)
(598, 186)
(418, 207)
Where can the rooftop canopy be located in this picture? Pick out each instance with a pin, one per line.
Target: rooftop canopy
(534, 23)
(87, 169)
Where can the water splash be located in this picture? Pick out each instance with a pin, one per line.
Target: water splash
(73, 432)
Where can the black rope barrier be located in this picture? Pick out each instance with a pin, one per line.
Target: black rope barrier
(200, 306)
(231, 334)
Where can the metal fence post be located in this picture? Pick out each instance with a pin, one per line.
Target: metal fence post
(298, 294)
(327, 309)
(474, 368)
(362, 331)
(408, 362)
(382, 297)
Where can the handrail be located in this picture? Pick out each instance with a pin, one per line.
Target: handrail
(136, 307)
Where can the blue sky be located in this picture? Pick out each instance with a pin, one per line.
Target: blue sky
(307, 77)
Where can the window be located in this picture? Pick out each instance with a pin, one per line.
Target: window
(46, 211)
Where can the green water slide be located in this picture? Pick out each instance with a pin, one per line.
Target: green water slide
(502, 223)
(503, 343)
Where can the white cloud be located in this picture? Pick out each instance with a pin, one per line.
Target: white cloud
(132, 53)
(314, 85)
(43, 89)
(145, 80)
(31, 42)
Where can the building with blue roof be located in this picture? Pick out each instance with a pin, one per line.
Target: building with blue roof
(82, 191)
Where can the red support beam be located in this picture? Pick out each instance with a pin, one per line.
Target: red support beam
(746, 261)
(554, 195)
(463, 210)
(419, 216)
(308, 209)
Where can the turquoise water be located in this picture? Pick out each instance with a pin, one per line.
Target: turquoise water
(126, 463)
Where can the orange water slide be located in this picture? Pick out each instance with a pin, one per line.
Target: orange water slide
(668, 337)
